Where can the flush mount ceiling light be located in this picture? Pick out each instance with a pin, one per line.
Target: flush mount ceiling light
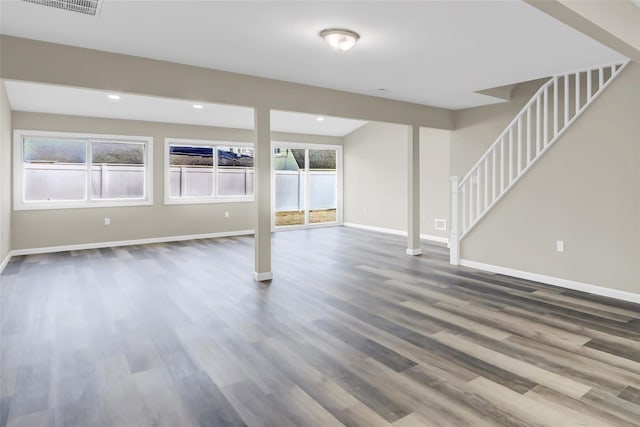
(114, 97)
(198, 106)
(320, 119)
(339, 38)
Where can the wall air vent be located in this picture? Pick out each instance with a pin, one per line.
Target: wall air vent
(86, 7)
(440, 224)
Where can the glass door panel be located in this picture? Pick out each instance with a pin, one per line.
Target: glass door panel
(323, 186)
(290, 186)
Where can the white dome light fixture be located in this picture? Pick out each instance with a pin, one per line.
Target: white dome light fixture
(339, 38)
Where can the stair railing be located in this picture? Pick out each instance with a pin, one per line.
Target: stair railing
(538, 125)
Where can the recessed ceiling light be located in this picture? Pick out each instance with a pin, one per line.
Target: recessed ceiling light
(198, 106)
(339, 38)
(320, 119)
(114, 97)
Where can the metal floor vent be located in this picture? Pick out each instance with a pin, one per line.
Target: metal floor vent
(87, 7)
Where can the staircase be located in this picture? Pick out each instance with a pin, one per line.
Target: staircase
(540, 123)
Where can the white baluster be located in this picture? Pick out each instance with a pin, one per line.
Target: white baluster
(538, 130)
(577, 93)
(493, 173)
(528, 135)
(588, 85)
(486, 183)
(501, 165)
(546, 117)
(464, 207)
(454, 238)
(478, 194)
(519, 146)
(510, 155)
(566, 100)
(471, 199)
(555, 107)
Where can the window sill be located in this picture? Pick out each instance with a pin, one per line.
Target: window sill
(200, 201)
(33, 206)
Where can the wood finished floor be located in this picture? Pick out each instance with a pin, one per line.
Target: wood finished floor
(351, 332)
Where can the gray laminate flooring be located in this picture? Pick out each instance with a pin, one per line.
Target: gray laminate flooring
(350, 332)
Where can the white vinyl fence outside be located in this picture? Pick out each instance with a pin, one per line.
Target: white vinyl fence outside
(199, 181)
(68, 182)
(289, 190)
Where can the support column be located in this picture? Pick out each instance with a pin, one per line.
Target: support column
(413, 197)
(262, 188)
(454, 238)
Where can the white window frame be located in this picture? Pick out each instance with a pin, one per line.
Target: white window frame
(20, 204)
(215, 198)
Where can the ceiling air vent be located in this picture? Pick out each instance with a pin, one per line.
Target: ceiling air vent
(86, 7)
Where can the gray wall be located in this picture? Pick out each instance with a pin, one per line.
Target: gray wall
(477, 128)
(434, 180)
(585, 191)
(5, 174)
(45, 228)
(375, 177)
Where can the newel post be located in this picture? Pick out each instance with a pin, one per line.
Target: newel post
(454, 242)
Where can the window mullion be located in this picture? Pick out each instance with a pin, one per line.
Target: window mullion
(307, 186)
(89, 166)
(214, 175)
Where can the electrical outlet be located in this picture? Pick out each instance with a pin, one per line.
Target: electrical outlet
(560, 246)
(226, 214)
(366, 210)
(107, 221)
(440, 224)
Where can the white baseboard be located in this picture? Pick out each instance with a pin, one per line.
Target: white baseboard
(262, 277)
(98, 245)
(555, 281)
(414, 252)
(396, 232)
(435, 238)
(372, 228)
(6, 261)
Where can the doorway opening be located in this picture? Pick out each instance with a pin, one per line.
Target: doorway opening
(307, 185)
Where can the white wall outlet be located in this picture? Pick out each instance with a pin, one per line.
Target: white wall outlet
(560, 246)
(226, 214)
(366, 210)
(440, 224)
(107, 221)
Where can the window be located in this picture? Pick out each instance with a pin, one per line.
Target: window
(69, 170)
(307, 184)
(208, 171)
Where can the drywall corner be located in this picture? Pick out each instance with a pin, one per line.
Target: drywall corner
(5, 174)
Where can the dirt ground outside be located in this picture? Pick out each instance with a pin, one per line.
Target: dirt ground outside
(297, 217)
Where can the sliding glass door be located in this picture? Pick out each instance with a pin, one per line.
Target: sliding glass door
(307, 185)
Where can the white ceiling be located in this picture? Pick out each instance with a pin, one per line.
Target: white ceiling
(40, 98)
(429, 52)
